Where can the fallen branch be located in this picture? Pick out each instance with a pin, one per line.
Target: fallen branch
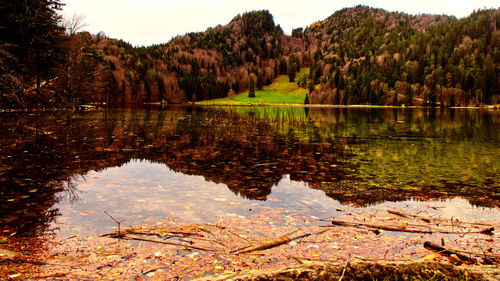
(275, 243)
(265, 164)
(448, 252)
(398, 214)
(434, 220)
(390, 228)
(168, 243)
(312, 259)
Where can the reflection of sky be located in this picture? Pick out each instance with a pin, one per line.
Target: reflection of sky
(142, 192)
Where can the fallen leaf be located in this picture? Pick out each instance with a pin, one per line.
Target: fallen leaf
(429, 257)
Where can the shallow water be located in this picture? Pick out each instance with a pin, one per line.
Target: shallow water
(61, 171)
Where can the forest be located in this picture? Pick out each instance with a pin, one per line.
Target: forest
(358, 55)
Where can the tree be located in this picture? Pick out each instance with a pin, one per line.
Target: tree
(291, 71)
(306, 100)
(251, 87)
(409, 95)
(283, 67)
(310, 86)
(433, 95)
(10, 85)
(74, 24)
(32, 28)
(302, 82)
(260, 79)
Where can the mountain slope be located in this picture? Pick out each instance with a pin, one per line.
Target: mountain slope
(371, 56)
(358, 55)
(196, 66)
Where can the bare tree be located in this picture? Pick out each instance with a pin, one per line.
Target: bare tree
(74, 24)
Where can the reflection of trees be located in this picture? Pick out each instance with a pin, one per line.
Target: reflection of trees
(248, 149)
(248, 154)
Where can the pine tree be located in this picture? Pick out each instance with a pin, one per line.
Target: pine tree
(32, 29)
(409, 95)
(251, 87)
(291, 71)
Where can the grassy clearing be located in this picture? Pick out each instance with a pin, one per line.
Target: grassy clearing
(279, 92)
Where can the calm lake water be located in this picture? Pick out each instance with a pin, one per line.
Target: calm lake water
(61, 171)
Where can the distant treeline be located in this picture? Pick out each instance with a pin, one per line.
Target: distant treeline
(357, 56)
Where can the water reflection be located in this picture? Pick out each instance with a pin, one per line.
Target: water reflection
(356, 156)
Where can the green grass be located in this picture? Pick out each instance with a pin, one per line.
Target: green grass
(279, 92)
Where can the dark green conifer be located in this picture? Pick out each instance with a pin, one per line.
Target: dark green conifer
(251, 87)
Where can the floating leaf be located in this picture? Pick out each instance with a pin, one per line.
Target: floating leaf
(429, 257)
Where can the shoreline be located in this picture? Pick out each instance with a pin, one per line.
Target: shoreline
(268, 245)
(84, 108)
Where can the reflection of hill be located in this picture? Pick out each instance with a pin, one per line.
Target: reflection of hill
(247, 151)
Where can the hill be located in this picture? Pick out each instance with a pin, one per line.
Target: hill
(370, 56)
(193, 67)
(358, 55)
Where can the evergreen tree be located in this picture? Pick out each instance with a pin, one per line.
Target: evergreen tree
(433, 95)
(32, 30)
(409, 95)
(260, 79)
(283, 67)
(291, 70)
(306, 100)
(337, 97)
(310, 86)
(251, 87)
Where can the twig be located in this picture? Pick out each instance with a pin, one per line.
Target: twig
(398, 214)
(239, 236)
(392, 260)
(305, 204)
(476, 254)
(311, 259)
(275, 243)
(433, 219)
(168, 243)
(265, 164)
(389, 228)
(118, 222)
(448, 252)
(345, 267)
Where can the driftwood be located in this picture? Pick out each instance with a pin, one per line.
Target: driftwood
(391, 228)
(448, 252)
(167, 242)
(438, 221)
(398, 214)
(275, 243)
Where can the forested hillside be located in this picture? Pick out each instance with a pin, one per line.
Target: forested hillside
(357, 56)
(369, 56)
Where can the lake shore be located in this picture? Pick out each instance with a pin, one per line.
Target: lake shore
(96, 107)
(268, 246)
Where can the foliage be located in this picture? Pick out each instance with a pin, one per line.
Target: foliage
(30, 34)
(281, 91)
(356, 56)
(251, 88)
(439, 57)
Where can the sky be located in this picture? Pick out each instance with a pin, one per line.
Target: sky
(146, 22)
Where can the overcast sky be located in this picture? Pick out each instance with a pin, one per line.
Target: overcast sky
(144, 22)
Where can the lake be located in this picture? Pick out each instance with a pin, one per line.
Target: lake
(60, 171)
